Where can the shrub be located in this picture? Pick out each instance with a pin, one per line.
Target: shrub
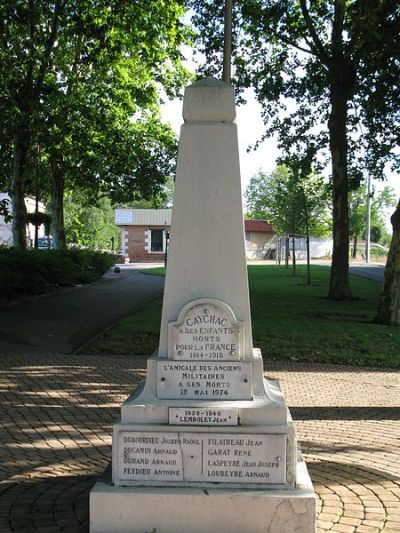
(36, 271)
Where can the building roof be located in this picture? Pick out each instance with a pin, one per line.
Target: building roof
(258, 225)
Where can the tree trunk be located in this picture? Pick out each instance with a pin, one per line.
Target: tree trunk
(307, 224)
(342, 81)
(36, 244)
(294, 256)
(389, 303)
(354, 253)
(279, 250)
(287, 252)
(57, 205)
(339, 288)
(308, 261)
(17, 191)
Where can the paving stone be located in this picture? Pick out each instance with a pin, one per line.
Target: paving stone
(58, 411)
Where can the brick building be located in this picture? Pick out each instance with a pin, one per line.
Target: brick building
(144, 231)
(144, 235)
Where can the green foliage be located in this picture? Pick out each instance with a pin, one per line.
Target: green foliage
(380, 201)
(294, 53)
(37, 219)
(378, 251)
(293, 205)
(163, 199)
(310, 64)
(90, 225)
(37, 271)
(84, 79)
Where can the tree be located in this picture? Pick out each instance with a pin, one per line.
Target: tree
(89, 225)
(316, 55)
(389, 303)
(380, 201)
(27, 42)
(293, 200)
(279, 198)
(72, 73)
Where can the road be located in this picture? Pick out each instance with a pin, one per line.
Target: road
(61, 321)
(370, 271)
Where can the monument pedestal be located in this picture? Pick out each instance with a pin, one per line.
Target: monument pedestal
(206, 444)
(195, 510)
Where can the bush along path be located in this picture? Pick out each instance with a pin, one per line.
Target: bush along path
(38, 271)
(291, 320)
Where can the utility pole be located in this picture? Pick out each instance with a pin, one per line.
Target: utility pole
(226, 70)
(368, 224)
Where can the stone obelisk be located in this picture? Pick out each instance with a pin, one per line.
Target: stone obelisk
(209, 259)
(206, 443)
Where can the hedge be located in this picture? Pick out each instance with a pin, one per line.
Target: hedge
(34, 271)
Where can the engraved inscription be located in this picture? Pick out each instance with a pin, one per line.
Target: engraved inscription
(147, 456)
(203, 417)
(206, 331)
(187, 380)
(201, 457)
(247, 458)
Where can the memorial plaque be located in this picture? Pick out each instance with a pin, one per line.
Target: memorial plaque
(207, 331)
(202, 457)
(150, 456)
(203, 416)
(188, 380)
(244, 458)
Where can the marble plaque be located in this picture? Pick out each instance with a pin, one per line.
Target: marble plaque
(188, 380)
(201, 457)
(150, 456)
(206, 331)
(195, 416)
(244, 458)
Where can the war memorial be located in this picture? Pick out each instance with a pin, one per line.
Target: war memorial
(206, 444)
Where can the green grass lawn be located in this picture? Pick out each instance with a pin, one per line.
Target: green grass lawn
(291, 320)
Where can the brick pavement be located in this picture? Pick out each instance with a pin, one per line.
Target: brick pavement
(57, 413)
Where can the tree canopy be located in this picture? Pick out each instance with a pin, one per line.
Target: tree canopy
(291, 205)
(83, 80)
(380, 202)
(311, 64)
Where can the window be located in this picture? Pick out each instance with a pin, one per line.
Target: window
(156, 240)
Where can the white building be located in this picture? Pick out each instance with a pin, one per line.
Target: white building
(6, 227)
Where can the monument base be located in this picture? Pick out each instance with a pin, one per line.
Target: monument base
(194, 510)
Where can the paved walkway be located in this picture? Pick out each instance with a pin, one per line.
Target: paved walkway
(61, 321)
(57, 415)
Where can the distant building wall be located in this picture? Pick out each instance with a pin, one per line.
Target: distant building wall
(6, 228)
(260, 240)
(319, 247)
